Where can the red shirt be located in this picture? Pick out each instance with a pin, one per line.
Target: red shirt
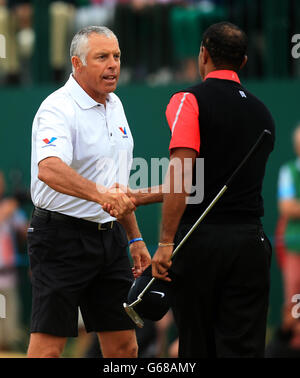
(183, 114)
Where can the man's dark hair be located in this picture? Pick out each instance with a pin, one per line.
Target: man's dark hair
(226, 44)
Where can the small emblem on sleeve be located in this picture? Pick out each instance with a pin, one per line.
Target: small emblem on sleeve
(49, 142)
(243, 94)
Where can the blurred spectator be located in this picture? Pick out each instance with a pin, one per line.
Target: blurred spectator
(165, 348)
(143, 30)
(94, 12)
(20, 40)
(280, 344)
(62, 16)
(153, 340)
(173, 349)
(10, 66)
(17, 25)
(289, 208)
(188, 21)
(83, 342)
(146, 339)
(22, 13)
(13, 226)
(279, 241)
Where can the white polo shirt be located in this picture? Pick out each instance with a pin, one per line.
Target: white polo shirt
(92, 139)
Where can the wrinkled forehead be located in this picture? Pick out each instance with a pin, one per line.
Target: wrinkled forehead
(97, 42)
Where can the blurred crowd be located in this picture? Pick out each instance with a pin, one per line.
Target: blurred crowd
(286, 340)
(159, 38)
(13, 232)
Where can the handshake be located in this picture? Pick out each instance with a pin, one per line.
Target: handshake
(119, 201)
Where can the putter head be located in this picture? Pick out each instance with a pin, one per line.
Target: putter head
(153, 304)
(135, 317)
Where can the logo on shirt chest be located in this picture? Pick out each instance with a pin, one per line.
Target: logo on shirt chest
(243, 94)
(123, 131)
(49, 142)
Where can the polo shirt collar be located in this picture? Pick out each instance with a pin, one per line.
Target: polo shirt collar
(224, 75)
(81, 97)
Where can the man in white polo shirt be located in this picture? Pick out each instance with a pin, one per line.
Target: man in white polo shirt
(81, 145)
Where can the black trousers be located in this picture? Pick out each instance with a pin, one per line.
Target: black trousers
(222, 291)
(75, 264)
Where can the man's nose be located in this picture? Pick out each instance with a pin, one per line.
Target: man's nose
(112, 62)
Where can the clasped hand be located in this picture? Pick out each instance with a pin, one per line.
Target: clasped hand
(117, 203)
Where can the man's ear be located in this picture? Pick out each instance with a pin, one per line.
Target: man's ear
(205, 54)
(245, 60)
(76, 62)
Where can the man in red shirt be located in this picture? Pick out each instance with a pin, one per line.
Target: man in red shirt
(221, 274)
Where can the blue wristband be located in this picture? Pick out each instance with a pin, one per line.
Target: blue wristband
(134, 240)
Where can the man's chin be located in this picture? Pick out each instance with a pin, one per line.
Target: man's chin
(110, 87)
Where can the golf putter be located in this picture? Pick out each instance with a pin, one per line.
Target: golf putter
(129, 308)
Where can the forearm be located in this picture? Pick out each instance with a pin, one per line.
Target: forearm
(150, 195)
(62, 178)
(129, 222)
(138, 250)
(174, 205)
(178, 181)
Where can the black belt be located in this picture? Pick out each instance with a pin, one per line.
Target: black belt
(52, 215)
